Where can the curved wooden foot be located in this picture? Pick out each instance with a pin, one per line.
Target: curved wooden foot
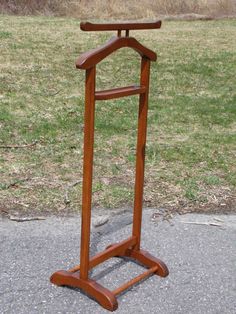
(148, 260)
(102, 295)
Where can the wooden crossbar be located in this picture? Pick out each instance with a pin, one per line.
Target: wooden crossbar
(88, 27)
(133, 281)
(119, 92)
(111, 251)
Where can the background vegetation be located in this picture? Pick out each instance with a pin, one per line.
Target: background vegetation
(118, 9)
(192, 118)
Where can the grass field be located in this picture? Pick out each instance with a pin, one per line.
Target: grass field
(191, 146)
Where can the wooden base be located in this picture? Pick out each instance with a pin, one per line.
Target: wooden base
(148, 260)
(103, 296)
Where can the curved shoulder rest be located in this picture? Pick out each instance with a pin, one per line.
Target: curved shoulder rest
(87, 26)
(92, 57)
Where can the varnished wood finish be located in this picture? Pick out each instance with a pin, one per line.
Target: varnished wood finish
(130, 283)
(102, 295)
(88, 27)
(88, 170)
(129, 247)
(140, 150)
(148, 260)
(119, 92)
(111, 251)
(91, 58)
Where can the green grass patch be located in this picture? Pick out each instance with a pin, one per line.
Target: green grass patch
(191, 140)
(4, 34)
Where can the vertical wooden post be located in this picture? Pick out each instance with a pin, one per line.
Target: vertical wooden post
(140, 151)
(87, 170)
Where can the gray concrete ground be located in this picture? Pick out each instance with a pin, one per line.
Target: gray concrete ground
(201, 259)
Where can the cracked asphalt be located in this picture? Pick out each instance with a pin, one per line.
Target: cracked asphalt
(200, 251)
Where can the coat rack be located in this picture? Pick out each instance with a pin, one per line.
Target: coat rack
(78, 276)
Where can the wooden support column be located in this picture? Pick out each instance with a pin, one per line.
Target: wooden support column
(140, 151)
(87, 170)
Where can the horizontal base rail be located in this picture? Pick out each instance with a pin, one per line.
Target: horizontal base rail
(111, 251)
(119, 92)
(133, 281)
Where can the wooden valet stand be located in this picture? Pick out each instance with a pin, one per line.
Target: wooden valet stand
(78, 276)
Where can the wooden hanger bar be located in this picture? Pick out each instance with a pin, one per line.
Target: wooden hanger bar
(119, 92)
(92, 57)
(89, 27)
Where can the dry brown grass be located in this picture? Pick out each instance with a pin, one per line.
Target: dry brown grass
(119, 9)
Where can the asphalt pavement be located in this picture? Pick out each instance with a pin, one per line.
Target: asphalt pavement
(200, 251)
